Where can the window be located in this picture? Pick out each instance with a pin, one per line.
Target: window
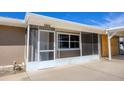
(63, 41)
(74, 41)
(74, 38)
(74, 44)
(63, 37)
(67, 41)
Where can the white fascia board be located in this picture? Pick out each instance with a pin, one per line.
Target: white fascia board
(114, 28)
(12, 22)
(121, 28)
(118, 31)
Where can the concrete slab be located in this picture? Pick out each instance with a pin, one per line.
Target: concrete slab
(102, 70)
(16, 77)
(88, 71)
(115, 68)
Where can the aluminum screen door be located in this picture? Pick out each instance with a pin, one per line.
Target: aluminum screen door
(46, 45)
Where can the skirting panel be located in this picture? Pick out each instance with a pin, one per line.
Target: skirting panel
(59, 62)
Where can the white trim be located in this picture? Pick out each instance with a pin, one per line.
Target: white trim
(99, 46)
(54, 46)
(67, 33)
(115, 28)
(32, 45)
(46, 50)
(113, 34)
(56, 55)
(113, 31)
(25, 50)
(46, 30)
(109, 48)
(80, 44)
(68, 49)
(38, 45)
(28, 32)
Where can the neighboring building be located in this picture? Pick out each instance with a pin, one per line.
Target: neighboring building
(121, 40)
(42, 42)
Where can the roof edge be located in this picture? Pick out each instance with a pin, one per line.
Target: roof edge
(12, 21)
(67, 21)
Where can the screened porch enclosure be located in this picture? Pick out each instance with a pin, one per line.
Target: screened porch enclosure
(89, 43)
(46, 44)
(41, 45)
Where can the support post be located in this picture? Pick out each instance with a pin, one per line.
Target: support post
(27, 47)
(99, 46)
(54, 45)
(80, 44)
(109, 48)
(38, 46)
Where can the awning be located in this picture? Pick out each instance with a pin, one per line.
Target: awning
(36, 19)
(116, 31)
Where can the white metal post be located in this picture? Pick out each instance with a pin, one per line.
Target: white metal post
(38, 46)
(109, 48)
(99, 46)
(80, 44)
(32, 45)
(27, 49)
(54, 45)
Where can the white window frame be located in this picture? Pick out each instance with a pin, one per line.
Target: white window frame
(67, 49)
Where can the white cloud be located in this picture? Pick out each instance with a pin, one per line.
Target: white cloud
(96, 22)
(112, 20)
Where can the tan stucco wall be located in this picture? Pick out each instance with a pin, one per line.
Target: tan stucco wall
(12, 43)
(114, 46)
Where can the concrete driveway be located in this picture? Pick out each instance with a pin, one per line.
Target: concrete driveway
(94, 71)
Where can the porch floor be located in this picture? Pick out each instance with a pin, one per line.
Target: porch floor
(119, 57)
(97, 70)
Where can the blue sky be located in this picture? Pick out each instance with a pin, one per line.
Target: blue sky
(102, 19)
